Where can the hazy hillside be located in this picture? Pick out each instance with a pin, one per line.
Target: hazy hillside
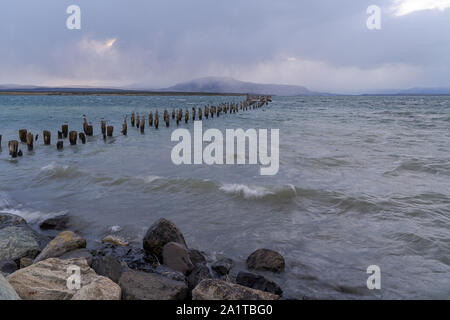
(229, 85)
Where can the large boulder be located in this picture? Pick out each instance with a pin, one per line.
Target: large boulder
(258, 282)
(197, 257)
(266, 260)
(137, 285)
(200, 273)
(7, 267)
(158, 235)
(108, 267)
(214, 289)
(59, 223)
(17, 239)
(65, 242)
(222, 266)
(176, 257)
(7, 292)
(48, 280)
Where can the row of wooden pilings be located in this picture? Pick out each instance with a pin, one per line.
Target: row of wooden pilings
(136, 120)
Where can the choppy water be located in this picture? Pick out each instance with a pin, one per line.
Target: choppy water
(362, 181)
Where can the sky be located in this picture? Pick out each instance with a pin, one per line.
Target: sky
(324, 45)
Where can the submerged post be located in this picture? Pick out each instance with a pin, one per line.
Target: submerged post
(30, 141)
(13, 148)
(65, 130)
(82, 137)
(23, 135)
(47, 137)
(110, 130)
(73, 135)
(60, 145)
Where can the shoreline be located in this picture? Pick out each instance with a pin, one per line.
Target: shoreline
(112, 93)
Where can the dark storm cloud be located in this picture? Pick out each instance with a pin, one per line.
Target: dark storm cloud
(322, 44)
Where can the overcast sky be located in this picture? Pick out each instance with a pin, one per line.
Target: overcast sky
(322, 44)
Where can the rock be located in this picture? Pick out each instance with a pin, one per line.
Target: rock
(65, 242)
(137, 285)
(169, 273)
(115, 241)
(7, 267)
(258, 282)
(25, 262)
(159, 234)
(7, 220)
(76, 254)
(266, 260)
(7, 292)
(99, 289)
(59, 223)
(221, 290)
(223, 266)
(197, 257)
(47, 280)
(18, 241)
(200, 273)
(108, 267)
(176, 257)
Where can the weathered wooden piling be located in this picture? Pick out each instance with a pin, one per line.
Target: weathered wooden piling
(82, 137)
(150, 119)
(142, 125)
(138, 119)
(156, 120)
(13, 147)
(23, 135)
(193, 113)
(60, 145)
(132, 119)
(200, 113)
(90, 130)
(85, 124)
(103, 125)
(47, 137)
(186, 116)
(30, 141)
(73, 135)
(65, 130)
(36, 138)
(20, 153)
(0, 141)
(60, 135)
(110, 130)
(173, 114)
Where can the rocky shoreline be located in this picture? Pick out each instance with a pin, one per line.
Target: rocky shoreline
(34, 267)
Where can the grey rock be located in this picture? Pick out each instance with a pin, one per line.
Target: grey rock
(7, 292)
(78, 253)
(65, 242)
(169, 273)
(258, 282)
(221, 290)
(18, 241)
(176, 257)
(200, 273)
(7, 220)
(223, 266)
(266, 260)
(197, 257)
(108, 267)
(25, 262)
(137, 285)
(56, 223)
(158, 235)
(7, 267)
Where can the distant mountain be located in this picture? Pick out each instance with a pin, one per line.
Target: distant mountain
(229, 85)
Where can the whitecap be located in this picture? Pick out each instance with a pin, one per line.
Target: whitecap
(246, 191)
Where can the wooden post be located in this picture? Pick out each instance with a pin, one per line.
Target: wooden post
(103, 125)
(200, 113)
(47, 137)
(60, 145)
(13, 148)
(186, 116)
(0, 141)
(60, 135)
(30, 141)
(142, 125)
(132, 119)
(65, 130)
(150, 119)
(82, 137)
(138, 119)
(90, 130)
(173, 114)
(85, 124)
(110, 130)
(20, 153)
(156, 120)
(23, 135)
(73, 135)
(193, 113)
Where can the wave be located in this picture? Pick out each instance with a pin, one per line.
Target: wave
(420, 166)
(57, 171)
(258, 192)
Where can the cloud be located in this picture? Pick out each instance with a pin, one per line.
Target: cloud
(405, 7)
